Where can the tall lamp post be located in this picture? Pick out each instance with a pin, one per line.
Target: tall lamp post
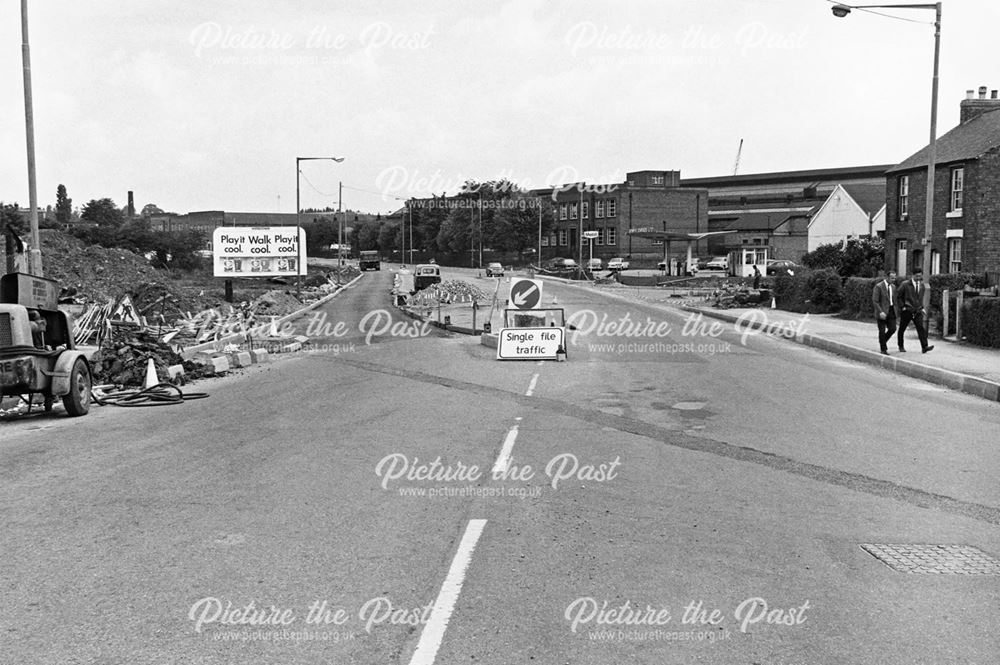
(35, 253)
(298, 213)
(840, 11)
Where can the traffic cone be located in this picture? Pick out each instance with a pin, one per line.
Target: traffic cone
(273, 332)
(774, 305)
(151, 378)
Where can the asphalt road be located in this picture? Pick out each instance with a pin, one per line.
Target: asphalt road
(397, 495)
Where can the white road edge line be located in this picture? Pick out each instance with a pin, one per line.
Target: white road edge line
(531, 386)
(433, 633)
(503, 461)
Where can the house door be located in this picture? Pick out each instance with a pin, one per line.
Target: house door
(901, 257)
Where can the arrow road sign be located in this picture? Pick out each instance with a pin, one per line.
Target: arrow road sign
(525, 293)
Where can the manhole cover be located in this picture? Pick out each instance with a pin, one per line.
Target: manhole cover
(934, 559)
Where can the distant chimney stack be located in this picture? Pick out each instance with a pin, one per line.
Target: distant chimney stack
(972, 107)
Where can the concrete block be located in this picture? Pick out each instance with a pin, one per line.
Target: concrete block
(240, 359)
(259, 356)
(175, 371)
(301, 339)
(218, 364)
(291, 348)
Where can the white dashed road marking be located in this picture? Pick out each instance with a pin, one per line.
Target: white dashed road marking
(430, 638)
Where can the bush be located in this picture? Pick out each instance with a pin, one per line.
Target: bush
(809, 291)
(858, 298)
(981, 321)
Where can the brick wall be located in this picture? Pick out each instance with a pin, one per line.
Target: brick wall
(980, 220)
(981, 248)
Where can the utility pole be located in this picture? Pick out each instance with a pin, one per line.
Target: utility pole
(35, 253)
(340, 223)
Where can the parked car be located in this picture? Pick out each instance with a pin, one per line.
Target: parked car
(595, 264)
(494, 270)
(703, 263)
(559, 264)
(781, 267)
(617, 263)
(718, 263)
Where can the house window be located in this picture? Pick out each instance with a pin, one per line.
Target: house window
(657, 180)
(599, 240)
(586, 209)
(612, 204)
(572, 211)
(935, 262)
(599, 209)
(957, 186)
(904, 196)
(955, 255)
(545, 241)
(562, 211)
(612, 235)
(562, 237)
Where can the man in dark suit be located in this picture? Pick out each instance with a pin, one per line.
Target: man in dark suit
(884, 304)
(910, 300)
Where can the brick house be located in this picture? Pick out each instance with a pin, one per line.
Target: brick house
(648, 201)
(966, 216)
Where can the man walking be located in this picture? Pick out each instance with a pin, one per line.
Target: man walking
(883, 301)
(910, 297)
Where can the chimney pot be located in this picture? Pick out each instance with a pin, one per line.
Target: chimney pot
(970, 94)
(993, 94)
(982, 92)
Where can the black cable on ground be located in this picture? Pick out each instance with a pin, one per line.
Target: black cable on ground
(159, 395)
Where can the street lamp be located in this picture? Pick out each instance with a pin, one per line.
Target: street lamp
(35, 253)
(841, 11)
(298, 214)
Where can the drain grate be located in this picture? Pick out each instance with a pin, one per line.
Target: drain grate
(934, 559)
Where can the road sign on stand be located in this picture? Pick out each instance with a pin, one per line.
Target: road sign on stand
(531, 343)
(525, 293)
(590, 235)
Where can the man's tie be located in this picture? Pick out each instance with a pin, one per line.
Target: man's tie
(889, 291)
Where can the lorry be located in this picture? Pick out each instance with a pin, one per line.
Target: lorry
(37, 352)
(369, 260)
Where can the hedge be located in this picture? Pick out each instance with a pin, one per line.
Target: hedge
(810, 291)
(858, 298)
(981, 321)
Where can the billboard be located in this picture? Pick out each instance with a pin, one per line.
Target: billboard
(266, 251)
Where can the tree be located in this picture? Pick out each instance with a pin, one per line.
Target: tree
(64, 206)
(151, 209)
(10, 214)
(863, 257)
(103, 212)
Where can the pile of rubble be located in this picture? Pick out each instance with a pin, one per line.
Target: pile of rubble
(89, 272)
(123, 360)
(451, 291)
(731, 296)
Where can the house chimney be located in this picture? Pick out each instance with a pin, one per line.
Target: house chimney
(972, 107)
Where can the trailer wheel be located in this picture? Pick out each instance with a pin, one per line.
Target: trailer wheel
(77, 400)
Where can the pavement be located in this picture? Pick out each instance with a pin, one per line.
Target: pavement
(970, 369)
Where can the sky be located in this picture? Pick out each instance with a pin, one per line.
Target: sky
(208, 105)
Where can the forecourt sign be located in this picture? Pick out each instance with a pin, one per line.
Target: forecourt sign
(531, 343)
(264, 251)
(526, 293)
